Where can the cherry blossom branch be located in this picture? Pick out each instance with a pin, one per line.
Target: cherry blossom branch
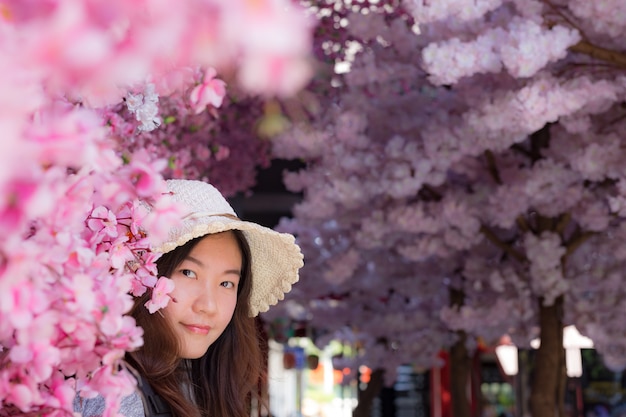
(576, 242)
(602, 54)
(559, 12)
(493, 168)
(489, 234)
(586, 47)
(544, 223)
(562, 223)
(522, 223)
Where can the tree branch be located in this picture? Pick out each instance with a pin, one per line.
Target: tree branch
(522, 223)
(492, 167)
(544, 224)
(575, 243)
(502, 245)
(602, 54)
(562, 223)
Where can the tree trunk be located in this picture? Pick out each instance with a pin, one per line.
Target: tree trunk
(460, 368)
(366, 397)
(548, 383)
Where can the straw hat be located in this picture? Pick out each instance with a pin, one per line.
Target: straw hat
(276, 258)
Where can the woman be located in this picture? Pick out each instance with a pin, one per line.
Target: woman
(201, 354)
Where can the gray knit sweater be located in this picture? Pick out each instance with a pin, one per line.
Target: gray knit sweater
(131, 406)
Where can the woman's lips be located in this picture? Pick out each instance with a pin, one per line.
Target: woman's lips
(197, 328)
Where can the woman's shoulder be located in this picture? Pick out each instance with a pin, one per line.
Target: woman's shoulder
(131, 406)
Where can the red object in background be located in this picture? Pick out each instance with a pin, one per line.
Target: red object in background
(441, 399)
(365, 374)
(289, 360)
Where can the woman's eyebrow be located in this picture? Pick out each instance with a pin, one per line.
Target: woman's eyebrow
(234, 271)
(195, 260)
(201, 265)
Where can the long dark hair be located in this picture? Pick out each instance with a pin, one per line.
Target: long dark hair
(222, 381)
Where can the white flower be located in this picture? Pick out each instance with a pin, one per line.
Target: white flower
(145, 108)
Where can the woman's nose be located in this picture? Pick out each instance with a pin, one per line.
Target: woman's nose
(205, 302)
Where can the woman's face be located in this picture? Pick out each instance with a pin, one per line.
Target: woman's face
(205, 293)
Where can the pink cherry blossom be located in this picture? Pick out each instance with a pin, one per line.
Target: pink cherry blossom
(20, 396)
(160, 294)
(104, 220)
(210, 92)
(94, 115)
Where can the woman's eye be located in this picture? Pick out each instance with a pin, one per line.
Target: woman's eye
(228, 284)
(188, 273)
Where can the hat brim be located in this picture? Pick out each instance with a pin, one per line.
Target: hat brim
(276, 258)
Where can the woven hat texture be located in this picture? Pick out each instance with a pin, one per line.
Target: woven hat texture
(276, 259)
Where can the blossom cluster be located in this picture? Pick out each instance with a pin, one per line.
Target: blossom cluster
(515, 47)
(195, 137)
(81, 201)
(67, 279)
(476, 136)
